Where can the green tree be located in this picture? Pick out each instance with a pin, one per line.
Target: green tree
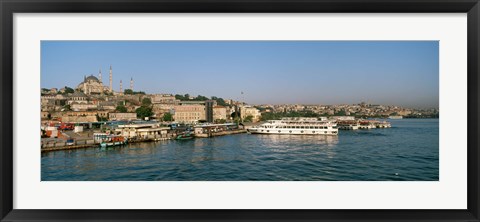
(144, 111)
(340, 113)
(220, 121)
(68, 90)
(180, 97)
(121, 108)
(200, 98)
(100, 119)
(248, 119)
(67, 108)
(235, 115)
(128, 92)
(220, 101)
(146, 101)
(167, 117)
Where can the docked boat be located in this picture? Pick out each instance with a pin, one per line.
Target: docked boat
(348, 124)
(372, 124)
(297, 126)
(113, 140)
(185, 136)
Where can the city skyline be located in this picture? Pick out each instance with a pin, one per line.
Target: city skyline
(403, 73)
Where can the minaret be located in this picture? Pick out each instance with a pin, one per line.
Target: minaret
(100, 75)
(131, 84)
(121, 87)
(85, 84)
(111, 78)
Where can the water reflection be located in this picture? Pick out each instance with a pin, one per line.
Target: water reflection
(280, 140)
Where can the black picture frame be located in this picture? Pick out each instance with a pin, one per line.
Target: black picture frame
(9, 7)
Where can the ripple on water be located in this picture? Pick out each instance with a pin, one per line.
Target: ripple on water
(406, 152)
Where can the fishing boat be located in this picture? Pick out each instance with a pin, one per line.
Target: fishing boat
(113, 140)
(185, 136)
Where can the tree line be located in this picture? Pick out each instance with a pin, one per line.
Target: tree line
(186, 97)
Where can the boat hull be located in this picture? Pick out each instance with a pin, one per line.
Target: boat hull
(293, 132)
(109, 144)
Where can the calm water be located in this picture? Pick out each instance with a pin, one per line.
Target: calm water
(407, 151)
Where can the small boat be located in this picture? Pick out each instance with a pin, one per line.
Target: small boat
(185, 136)
(70, 142)
(113, 141)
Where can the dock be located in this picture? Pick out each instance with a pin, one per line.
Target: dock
(82, 144)
(221, 133)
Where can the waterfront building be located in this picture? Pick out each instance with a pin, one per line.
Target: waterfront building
(209, 110)
(161, 109)
(189, 113)
(122, 116)
(246, 111)
(142, 131)
(219, 113)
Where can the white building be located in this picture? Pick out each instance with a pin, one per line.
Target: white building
(143, 131)
(122, 116)
(246, 111)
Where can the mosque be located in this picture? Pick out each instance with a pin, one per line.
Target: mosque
(93, 85)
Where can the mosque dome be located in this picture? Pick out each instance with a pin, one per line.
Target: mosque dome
(92, 78)
(91, 85)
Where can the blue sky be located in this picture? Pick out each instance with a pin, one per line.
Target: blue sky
(402, 73)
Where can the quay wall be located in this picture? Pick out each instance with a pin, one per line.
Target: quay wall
(80, 144)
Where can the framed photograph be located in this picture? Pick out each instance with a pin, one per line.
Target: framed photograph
(240, 110)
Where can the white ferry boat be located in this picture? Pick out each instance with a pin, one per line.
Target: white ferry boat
(296, 126)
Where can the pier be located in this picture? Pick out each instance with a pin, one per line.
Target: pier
(212, 130)
(222, 133)
(47, 146)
